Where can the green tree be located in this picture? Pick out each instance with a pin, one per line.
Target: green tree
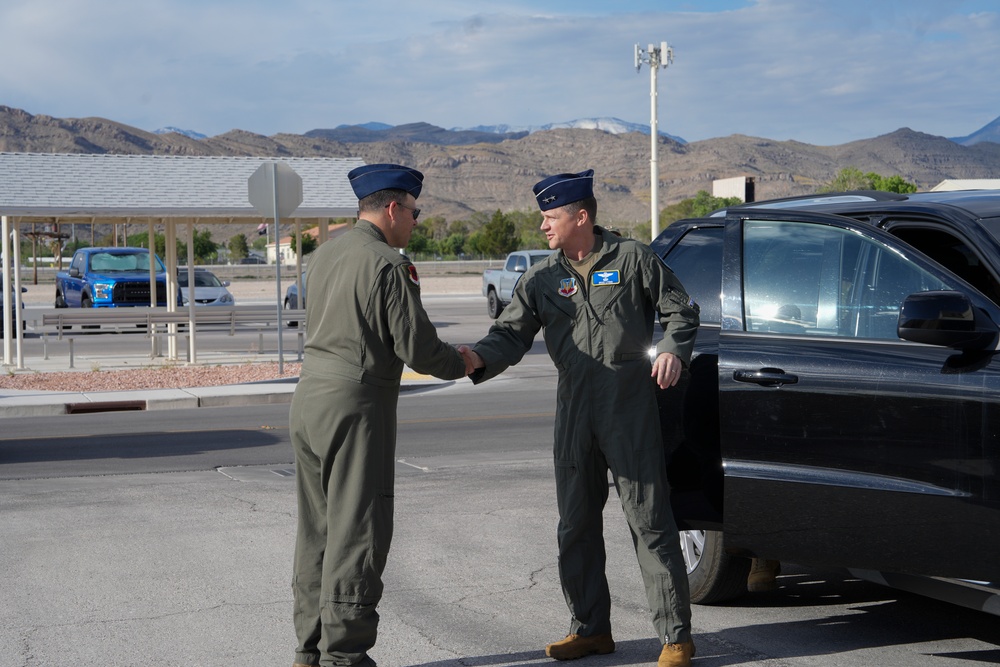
(848, 178)
(238, 248)
(699, 206)
(499, 235)
(68, 249)
(206, 251)
(436, 226)
(453, 245)
(527, 224)
(309, 243)
(142, 241)
(420, 241)
(476, 221)
(474, 244)
(851, 178)
(892, 184)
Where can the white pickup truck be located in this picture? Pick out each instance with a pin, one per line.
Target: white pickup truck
(498, 284)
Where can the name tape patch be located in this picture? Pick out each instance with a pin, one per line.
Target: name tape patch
(605, 278)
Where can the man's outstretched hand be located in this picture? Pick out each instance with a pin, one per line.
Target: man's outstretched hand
(472, 360)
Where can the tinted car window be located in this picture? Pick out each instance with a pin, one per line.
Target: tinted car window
(810, 279)
(201, 279)
(697, 261)
(953, 253)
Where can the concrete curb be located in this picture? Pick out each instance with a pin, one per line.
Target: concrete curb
(276, 392)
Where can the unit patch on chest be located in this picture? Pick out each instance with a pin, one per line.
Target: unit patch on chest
(568, 287)
(605, 278)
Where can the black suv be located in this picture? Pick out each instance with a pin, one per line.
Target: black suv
(843, 405)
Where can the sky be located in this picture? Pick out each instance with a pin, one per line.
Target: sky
(823, 72)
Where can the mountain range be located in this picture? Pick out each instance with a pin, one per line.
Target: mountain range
(489, 134)
(485, 169)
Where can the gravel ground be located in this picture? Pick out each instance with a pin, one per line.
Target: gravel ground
(179, 377)
(158, 377)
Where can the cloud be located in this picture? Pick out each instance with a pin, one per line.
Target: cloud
(818, 71)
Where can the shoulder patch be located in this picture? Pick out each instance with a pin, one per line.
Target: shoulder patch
(414, 278)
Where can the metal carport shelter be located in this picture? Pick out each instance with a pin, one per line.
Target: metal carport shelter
(58, 188)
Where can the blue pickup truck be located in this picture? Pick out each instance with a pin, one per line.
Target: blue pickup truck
(111, 278)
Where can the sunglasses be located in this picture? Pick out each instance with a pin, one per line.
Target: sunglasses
(416, 211)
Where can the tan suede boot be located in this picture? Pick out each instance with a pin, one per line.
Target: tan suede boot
(575, 646)
(763, 575)
(676, 655)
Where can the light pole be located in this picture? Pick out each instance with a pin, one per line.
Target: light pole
(656, 57)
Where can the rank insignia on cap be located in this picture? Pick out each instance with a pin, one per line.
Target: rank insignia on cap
(563, 189)
(605, 278)
(414, 278)
(567, 287)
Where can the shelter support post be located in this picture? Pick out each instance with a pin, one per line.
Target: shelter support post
(5, 251)
(151, 244)
(171, 258)
(16, 325)
(192, 345)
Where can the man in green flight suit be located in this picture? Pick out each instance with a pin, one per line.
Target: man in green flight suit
(595, 300)
(364, 320)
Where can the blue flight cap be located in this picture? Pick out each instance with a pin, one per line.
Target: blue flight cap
(562, 189)
(371, 178)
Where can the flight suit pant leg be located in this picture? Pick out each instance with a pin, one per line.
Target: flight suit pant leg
(359, 516)
(641, 478)
(357, 480)
(581, 494)
(310, 541)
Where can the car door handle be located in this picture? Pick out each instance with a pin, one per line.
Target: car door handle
(766, 377)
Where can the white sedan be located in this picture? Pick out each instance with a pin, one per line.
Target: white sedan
(208, 289)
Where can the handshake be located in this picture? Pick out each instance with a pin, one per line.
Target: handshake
(472, 360)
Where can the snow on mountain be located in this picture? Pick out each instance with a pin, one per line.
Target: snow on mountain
(186, 133)
(609, 125)
(989, 132)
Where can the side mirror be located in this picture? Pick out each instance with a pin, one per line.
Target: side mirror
(947, 319)
(74, 272)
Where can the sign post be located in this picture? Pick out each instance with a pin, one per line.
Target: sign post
(275, 190)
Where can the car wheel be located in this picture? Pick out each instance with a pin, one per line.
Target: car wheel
(290, 306)
(85, 302)
(60, 300)
(713, 575)
(493, 307)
